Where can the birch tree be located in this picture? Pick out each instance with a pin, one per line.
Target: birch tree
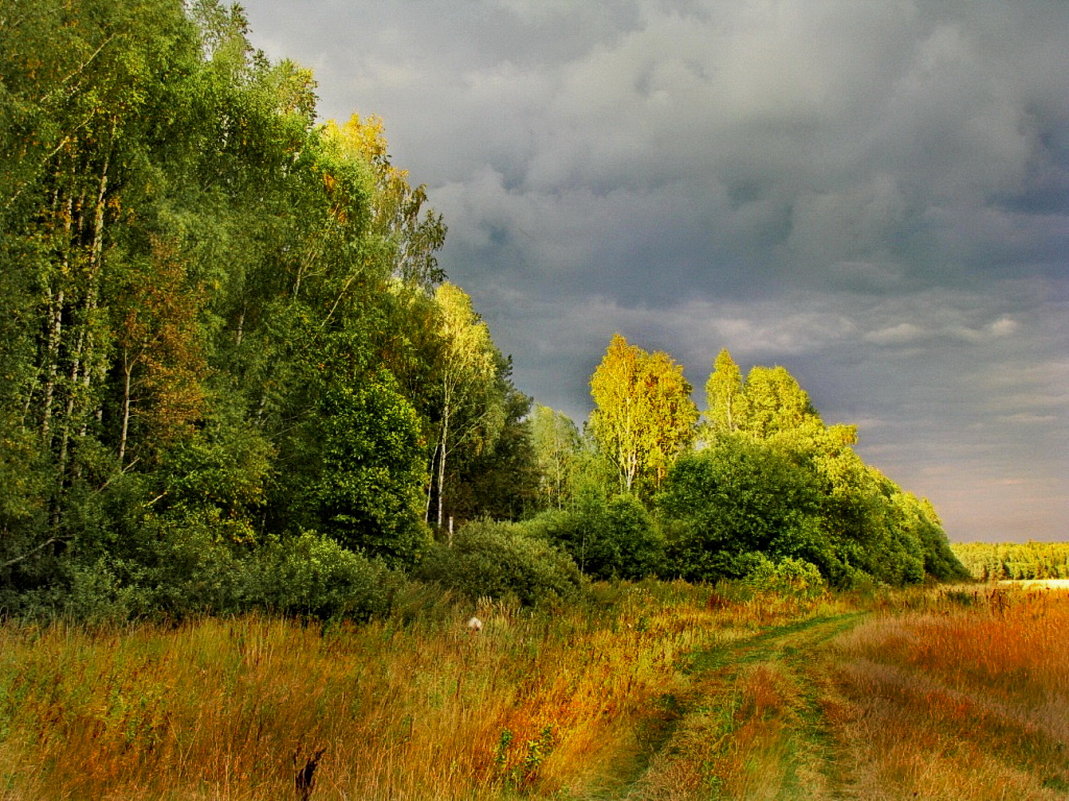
(467, 369)
(726, 402)
(556, 443)
(643, 417)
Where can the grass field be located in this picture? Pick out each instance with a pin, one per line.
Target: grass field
(657, 691)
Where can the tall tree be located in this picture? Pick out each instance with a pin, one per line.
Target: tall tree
(499, 477)
(470, 412)
(403, 230)
(556, 444)
(673, 415)
(643, 416)
(159, 348)
(725, 399)
(775, 403)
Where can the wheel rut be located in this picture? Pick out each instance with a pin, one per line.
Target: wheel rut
(754, 724)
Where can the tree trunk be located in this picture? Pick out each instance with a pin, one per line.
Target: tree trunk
(93, 297)
(81, 371)
(430, 484)
(441, 461)
(55, 324)
(127, 372)
(55, 333)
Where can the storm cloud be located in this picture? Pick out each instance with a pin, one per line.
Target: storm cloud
(875, 195)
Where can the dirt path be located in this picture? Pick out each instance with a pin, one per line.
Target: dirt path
(753, 726)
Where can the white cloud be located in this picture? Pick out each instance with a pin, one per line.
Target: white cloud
(902, 333)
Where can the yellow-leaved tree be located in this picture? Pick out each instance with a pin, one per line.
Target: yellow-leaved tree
(644, 416)
(402, 229)
(467, 371)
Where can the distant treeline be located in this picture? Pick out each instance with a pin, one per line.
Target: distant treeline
(994, 561)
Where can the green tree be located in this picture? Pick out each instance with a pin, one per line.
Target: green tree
(556, 444)
(402, 230)
(202, 297)
(775, 403)
(160, 350)
(367, 489)
(735, 498)
(609, 538)
(499, 479)
(470, 410)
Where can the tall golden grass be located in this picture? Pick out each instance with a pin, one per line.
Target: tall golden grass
(962, 696)
(229, 709)
(939, 695)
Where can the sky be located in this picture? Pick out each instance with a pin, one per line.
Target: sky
(871, 193)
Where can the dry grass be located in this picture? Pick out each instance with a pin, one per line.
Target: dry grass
(939, 695)
(217, 709)
(965, 699)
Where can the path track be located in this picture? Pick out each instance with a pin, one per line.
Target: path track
(754, 726)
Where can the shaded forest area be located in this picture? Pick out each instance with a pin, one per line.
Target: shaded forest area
(234, 375)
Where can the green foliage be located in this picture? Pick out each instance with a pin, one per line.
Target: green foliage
(217, 326)
(990, 561)
(313, 576)
(556, 444)
(789, 577)
(609, 538)
(177, 567)
(865, 526)
(223, 326)
(501, 560)
(775, 404)
(737, 497)
(223, 467)
(472, 391)
(643, 417)
(725, 399)
(498, 478)
(366, 490)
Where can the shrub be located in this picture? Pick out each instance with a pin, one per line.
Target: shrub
(609, 539)
(313, 576)
(501, 560)
(791, 577)
(735, 498)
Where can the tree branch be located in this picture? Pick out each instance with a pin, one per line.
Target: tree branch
(29, 553)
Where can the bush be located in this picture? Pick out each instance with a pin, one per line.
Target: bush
(735, 498)
(313, 576)
(607, 539)
(790, 577)
(501, 560)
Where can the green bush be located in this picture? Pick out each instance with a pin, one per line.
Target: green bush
(609, 539)
(501, 560)
(734, 498)
(313, 576)
(791, 577)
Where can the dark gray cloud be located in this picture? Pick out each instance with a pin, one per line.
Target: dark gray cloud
(875, 195)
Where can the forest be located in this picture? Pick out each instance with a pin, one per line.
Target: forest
(235, 376)
(1014, 561)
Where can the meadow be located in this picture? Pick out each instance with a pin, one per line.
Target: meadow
(650, 691)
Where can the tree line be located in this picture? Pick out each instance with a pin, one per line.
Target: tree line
(220, 322)
(990, 561)
(756, 479)
(234, 373)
